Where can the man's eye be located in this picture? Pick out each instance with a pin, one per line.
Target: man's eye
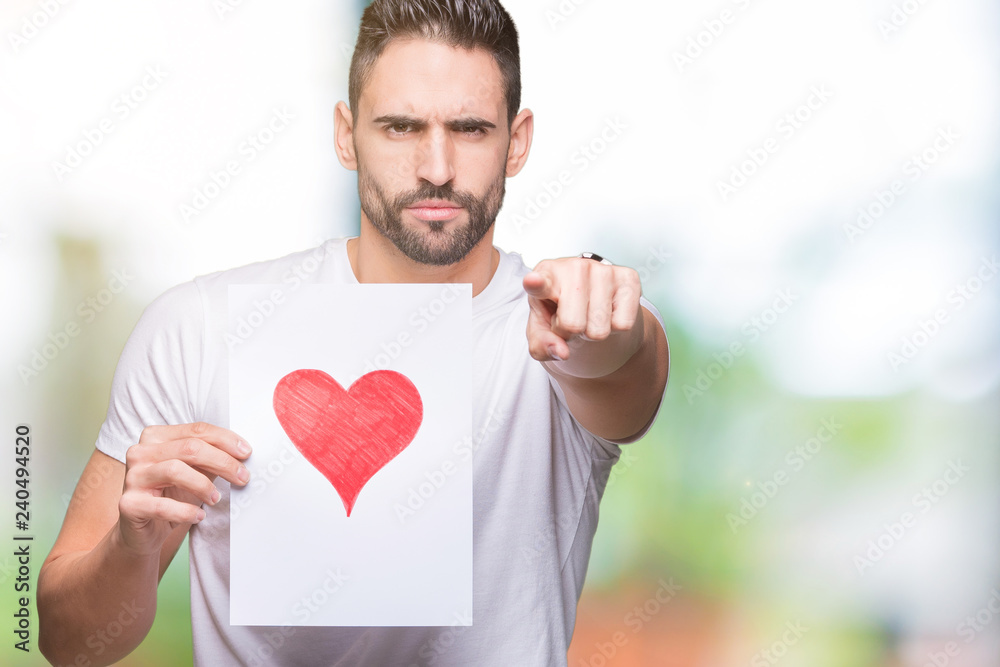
(399, 128)
(472, 129)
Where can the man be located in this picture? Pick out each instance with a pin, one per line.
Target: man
(569, 360)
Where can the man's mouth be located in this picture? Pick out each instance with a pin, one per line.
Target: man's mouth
(434, 209)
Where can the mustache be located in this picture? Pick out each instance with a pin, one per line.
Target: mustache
(431, 191)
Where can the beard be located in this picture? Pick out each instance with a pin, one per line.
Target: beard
(435, 245)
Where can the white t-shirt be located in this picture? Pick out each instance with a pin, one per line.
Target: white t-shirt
(538, 479)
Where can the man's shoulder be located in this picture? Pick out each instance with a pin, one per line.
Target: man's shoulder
(193, 299)
(514, 260)
(504, 290)
(293, 269)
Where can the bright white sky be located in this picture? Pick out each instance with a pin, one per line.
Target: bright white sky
(677, 132)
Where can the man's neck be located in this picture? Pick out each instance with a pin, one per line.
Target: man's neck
(374, 259)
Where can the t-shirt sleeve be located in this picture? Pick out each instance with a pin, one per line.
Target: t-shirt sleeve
(611, 446)
(155, 381)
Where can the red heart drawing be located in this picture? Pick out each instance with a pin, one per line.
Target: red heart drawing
(348, 435)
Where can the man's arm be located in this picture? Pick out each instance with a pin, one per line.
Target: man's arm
(124, 525)
(608, 354)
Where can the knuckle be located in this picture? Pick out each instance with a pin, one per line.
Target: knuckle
(127, 506)
(174, 468)
(149, 433)
(130, 481)
(598, 334)
(600, 316)
(133, 455)
(602, 270)
(625, 325)
(626, 322)
(599, 327)
(630, 278)
(190, 447)
(160, 509)
(200, 428)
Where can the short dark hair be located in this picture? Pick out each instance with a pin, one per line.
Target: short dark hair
(468, 24)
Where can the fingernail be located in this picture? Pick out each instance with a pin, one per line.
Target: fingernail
(554, 354)
(201, 515)
(243, 474)
(216, 496)
(243, 448)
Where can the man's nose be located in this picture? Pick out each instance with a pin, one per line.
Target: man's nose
(436, 157)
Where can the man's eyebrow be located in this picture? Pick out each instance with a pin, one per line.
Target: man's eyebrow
(398, 119)
(471, 121)
(458, 123)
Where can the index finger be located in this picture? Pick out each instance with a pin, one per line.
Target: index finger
(221, 438)
(541, 285)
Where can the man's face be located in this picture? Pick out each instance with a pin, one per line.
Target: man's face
(431, 138)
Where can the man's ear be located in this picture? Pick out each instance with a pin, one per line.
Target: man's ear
(521, 131)
(343, 136)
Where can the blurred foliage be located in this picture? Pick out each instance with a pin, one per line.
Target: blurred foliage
(72, 400)
(670, 502)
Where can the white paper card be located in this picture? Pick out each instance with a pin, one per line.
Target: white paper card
(321, 445)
